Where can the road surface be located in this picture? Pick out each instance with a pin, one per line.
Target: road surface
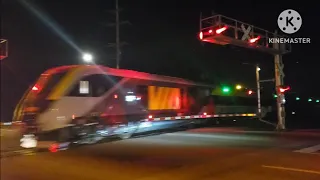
(198, 154)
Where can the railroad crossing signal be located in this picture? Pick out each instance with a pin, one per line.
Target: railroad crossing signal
(281, 66)
(283, 89)
(251, 37)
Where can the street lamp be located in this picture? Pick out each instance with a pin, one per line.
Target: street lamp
(258, 89)
(258, 69)
(88, 58)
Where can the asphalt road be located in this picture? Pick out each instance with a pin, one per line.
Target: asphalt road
(199, 154)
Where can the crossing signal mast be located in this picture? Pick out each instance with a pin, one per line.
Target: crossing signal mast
(222, 30)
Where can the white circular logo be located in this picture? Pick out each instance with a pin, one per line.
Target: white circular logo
(289, 21)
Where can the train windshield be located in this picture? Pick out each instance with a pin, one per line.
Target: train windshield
(36, 95)
(43, 87)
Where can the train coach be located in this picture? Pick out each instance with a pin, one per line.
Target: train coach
(69, 102)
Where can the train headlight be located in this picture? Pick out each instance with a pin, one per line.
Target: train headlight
(28, 141)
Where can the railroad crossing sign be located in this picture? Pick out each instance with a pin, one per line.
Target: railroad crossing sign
(281, 66)
(246, 32)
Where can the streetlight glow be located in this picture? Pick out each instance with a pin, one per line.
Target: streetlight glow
(87, 57)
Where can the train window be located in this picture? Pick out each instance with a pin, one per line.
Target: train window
(94, 85)
(84, 87)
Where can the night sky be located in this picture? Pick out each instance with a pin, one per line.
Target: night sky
(162, 39)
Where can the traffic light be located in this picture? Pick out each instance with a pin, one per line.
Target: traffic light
(226, 90)
(250, 92)
(297, 98)
(317, 100)
(238, 87)
(309, 100)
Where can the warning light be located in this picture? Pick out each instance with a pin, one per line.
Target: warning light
(253, 40)
(201, 35)
(284, 89)
(250, 92)
(35, 88)
(220, 30)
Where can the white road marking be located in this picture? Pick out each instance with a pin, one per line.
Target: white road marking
(311, 149)
(292, 169)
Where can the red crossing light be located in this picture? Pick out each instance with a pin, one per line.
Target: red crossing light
(201, 35)
(253, 40)
(220, 30)
(284, 89)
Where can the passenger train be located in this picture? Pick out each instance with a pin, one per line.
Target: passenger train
(72, 101)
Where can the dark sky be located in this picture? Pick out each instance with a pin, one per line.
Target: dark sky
(162, 39)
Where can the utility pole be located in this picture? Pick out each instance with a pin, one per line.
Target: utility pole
(118, 52)
(118, 44)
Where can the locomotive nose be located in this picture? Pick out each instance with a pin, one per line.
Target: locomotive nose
(29, 120)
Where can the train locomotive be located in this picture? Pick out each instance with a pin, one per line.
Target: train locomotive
(69, 102)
